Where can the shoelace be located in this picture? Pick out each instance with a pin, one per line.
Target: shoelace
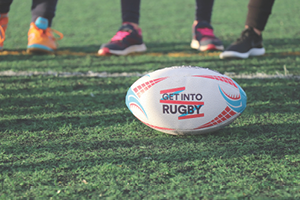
(49, 32)
(245, 34)
(206, 32)
(2, 34)
(120, 35)
(61, 36)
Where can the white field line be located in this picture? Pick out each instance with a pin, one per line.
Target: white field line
(257, 75)
(71, 74)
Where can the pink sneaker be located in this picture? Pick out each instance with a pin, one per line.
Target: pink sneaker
(127, 40)
(204, 38)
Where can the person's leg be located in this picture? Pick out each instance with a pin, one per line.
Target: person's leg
(4, 6)
(204, 10)
(40, 36)
(250, 41)
(4, 9)
(203, 35)
(128, 38)
(258, 13)
(43, 8)
(130, 11)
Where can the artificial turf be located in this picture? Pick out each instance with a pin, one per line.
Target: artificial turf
(74, 138)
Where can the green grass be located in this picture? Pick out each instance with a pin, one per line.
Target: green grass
(74, 138)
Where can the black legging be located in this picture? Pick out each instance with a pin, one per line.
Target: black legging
(39, 8)
(204, 10)
(131, 10)
(257, 17)
(258, 13)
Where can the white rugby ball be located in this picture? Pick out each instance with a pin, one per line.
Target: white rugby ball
(186, 100)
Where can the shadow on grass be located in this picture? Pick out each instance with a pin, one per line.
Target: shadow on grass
(96, 139)
(280, 53)
(269, 64)
(226, 143)
(34, 105)
(90, 102)
(272, 95)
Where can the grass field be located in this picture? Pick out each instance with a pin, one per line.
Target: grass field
(66, 133)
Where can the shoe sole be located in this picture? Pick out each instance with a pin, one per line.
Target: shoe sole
(128, 50)
(39, 49)
(196, 45)
(251, 52)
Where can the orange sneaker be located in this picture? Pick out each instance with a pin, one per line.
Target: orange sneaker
(41, 38)
(3, 26)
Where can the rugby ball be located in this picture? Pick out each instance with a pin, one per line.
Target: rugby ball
(186, 100)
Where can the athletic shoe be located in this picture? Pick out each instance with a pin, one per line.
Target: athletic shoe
(3, 26)
(40, 37)
(204, 38)
(249, 44)
(127, 40)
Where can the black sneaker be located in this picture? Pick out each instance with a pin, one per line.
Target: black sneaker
(127, 40)
(204, 38)
(249, 44)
